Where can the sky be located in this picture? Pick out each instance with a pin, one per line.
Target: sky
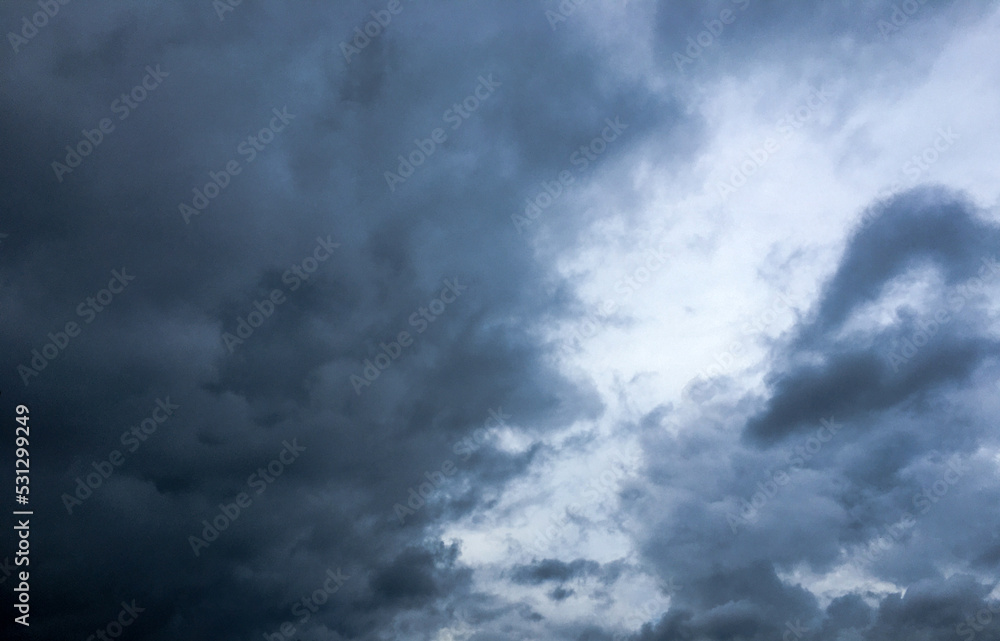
(590, 320)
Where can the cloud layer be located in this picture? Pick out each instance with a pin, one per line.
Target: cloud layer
(375, 320)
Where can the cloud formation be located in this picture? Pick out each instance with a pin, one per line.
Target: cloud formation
(287, 291)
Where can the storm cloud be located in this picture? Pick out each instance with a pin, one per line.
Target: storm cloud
(374, 320)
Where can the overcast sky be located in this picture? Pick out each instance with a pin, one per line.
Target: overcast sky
(592, 320)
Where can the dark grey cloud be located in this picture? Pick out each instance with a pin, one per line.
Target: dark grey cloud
(321, 176)
(924, 226)
(878, 491)
(941, 344)
(554, 570)
(346, 539)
